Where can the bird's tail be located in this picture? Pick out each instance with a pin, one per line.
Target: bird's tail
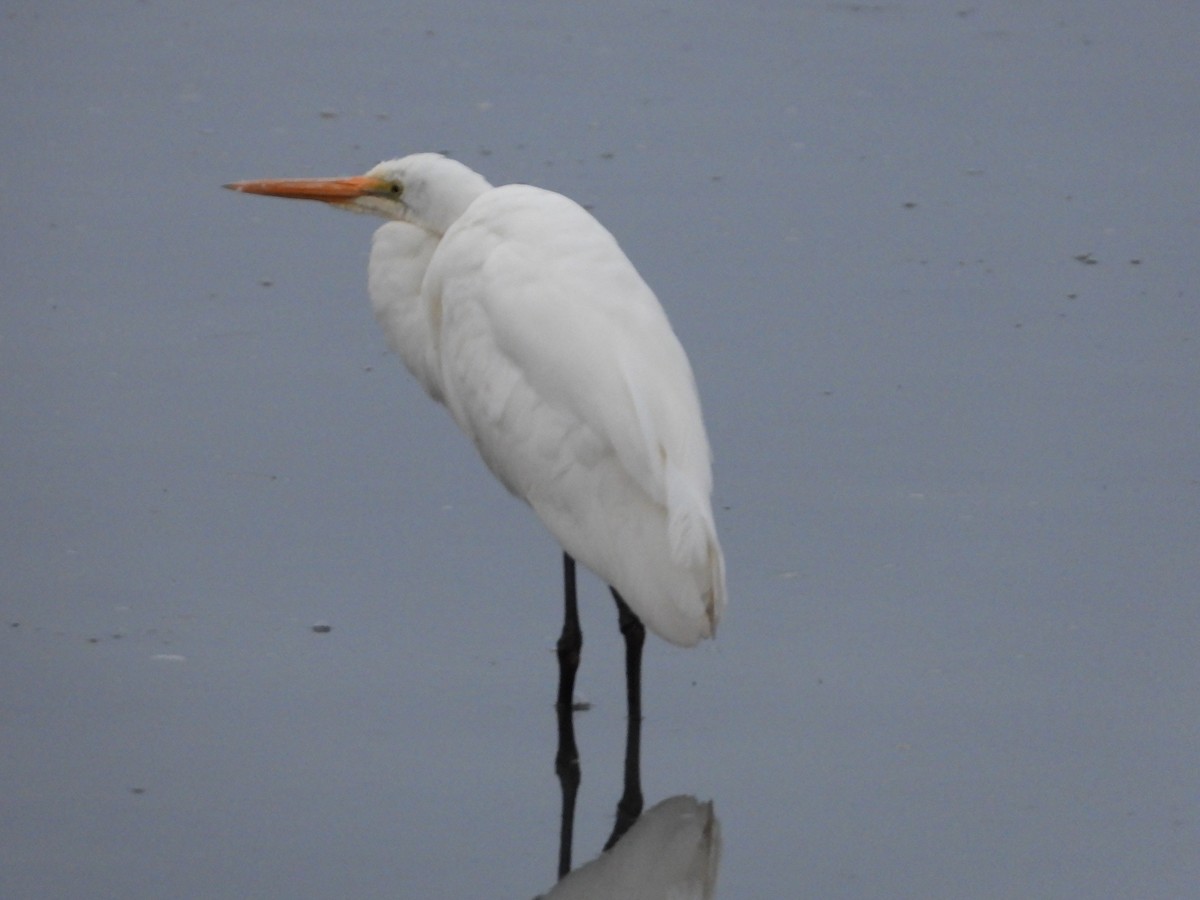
(692, 535)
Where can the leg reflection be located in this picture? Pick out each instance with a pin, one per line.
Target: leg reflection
(566, 764)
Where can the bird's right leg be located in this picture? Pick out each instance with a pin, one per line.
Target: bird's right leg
(566, 763)
(629, 807)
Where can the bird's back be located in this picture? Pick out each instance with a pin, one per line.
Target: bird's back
(560, 364)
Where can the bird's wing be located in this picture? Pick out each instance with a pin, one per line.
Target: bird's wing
(559, 313)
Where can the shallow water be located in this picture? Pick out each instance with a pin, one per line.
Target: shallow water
(935, 268)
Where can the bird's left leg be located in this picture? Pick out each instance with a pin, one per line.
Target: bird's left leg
(570, 641)
(629, 807)
(566, 763)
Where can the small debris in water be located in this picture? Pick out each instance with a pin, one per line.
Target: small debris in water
(322, 628)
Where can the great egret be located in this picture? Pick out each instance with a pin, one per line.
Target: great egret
(516, 309)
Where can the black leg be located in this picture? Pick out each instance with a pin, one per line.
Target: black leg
(570, 642)
(566, 763)
(629, 807)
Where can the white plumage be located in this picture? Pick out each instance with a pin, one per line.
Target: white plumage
(516, 309)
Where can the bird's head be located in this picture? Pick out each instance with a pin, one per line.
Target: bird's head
(426, 189)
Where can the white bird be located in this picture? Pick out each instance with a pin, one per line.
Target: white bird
(516, 309)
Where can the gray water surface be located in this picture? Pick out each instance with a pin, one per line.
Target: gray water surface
(935, 266)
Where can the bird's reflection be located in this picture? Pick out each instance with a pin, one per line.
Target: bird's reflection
(672, 851)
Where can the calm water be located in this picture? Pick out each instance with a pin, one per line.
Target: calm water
(935, 267)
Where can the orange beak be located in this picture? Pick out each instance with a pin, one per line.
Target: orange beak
(328, 190)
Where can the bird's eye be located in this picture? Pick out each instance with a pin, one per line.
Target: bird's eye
(395, 189)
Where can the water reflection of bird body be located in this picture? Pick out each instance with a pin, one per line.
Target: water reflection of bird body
(672, 851)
